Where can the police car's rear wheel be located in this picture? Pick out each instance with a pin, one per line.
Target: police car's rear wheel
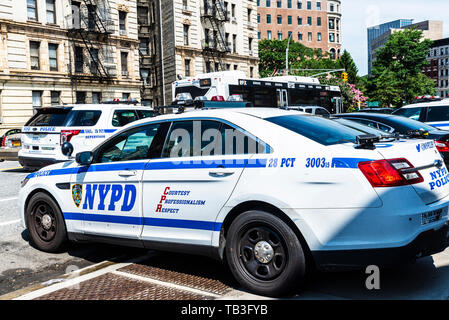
(264, 254)
(45, 223)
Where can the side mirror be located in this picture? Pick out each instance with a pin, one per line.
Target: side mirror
(67, 149)
(84, 158)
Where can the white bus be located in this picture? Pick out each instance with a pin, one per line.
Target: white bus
(281, 92)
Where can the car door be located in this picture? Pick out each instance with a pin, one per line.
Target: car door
(186, 188)
(110, 189)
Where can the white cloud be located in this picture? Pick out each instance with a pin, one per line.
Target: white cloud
(358, 15)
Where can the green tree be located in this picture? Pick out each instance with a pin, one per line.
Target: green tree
(397, 72)
(346, 62)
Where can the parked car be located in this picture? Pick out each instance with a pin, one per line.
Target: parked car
(85, 126)
(404, 127)
(315, 110)
(378, 110)
(434, 111)
(10, 145)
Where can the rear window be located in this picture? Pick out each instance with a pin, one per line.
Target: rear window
(321, 130)
(49, 118)
(64, 118)
(412, 113)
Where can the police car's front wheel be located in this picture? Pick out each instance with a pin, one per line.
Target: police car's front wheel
(264, 254)
(45, 223)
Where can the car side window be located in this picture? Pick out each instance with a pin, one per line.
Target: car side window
(322, 112)
(440, 113)
(143, 114)
(209, 138)
(235, 141)
(129, 146)
(121, 118)
(412, 113)
(192, 138)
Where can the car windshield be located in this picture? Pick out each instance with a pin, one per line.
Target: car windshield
(360, 127)
(58, 117)
(321, 130)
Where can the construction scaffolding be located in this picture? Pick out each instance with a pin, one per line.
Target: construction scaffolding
(91, 54)
(215, 45)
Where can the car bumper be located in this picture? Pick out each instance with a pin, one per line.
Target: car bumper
(426, 244)
(37, 163)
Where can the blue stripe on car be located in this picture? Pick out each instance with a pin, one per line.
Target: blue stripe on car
(152, 222)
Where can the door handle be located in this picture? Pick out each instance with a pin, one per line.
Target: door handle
(221, 173)
(127, 173)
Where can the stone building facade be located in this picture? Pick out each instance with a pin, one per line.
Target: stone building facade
(191, 37)
(55, 52)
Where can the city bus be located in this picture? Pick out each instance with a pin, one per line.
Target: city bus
(281, 92)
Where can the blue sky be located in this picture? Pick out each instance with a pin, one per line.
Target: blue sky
(358, 15)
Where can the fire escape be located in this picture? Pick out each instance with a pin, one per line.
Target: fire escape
(90, 27)
(215, 45)
(147, 56)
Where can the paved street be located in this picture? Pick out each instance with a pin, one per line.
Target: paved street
(22, 266)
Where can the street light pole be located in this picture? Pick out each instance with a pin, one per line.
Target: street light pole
(288, 47)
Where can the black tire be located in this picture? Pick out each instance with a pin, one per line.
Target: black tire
(286, 269)
(45, 223)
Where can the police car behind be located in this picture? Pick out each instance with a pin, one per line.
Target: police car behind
(85, 126)
(163, 184)
(429, 109)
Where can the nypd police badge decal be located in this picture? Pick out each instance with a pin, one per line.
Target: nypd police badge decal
(77, 194)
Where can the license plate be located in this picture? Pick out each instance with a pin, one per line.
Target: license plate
(430, 217)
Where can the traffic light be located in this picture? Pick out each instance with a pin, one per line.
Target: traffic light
(344, 76)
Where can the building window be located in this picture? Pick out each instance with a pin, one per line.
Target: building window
(309, 37)
(289, 18)
(331, 37)
(37, 100)
(186, 35)
(309, 5)
(124, 62)
(299, 21)
(318, 5)
(299, 36)
(279, 3)
(80, 97)
(122, 22)
(251, 72)
(144, 47)
(250, 44)
(234, 43)
(32, 9)
(34, 55)
(268, 18)
(55, 98)
(142, 16)
(53, 56)
(279, 19)
(51, 11)
(289, 4)
(279, 35)
(268, 3)
(318, 21)
(269, 36)
(331, 24)
(187, 67)
(79, 60)
(319, 37)
(309, 21)
(332, 8)
(299, 4)
(96, 97)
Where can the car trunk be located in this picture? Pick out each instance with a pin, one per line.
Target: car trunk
(423, 154)
(41, 134)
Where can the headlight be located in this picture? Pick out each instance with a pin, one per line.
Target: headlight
(24, 182)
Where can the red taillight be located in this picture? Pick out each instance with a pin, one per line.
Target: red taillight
(218, 98)
(67, 135)
(389, 173)
(4, 141)
(442, 146)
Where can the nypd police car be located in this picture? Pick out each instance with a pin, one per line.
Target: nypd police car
(271, 192)
(85, 126)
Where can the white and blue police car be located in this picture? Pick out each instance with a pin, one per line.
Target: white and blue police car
(269, 191)
(85, 126)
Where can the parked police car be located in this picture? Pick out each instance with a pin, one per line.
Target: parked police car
(246, 186)
(85, 126)
(429, 109)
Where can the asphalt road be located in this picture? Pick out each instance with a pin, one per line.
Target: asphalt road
(22, 266)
